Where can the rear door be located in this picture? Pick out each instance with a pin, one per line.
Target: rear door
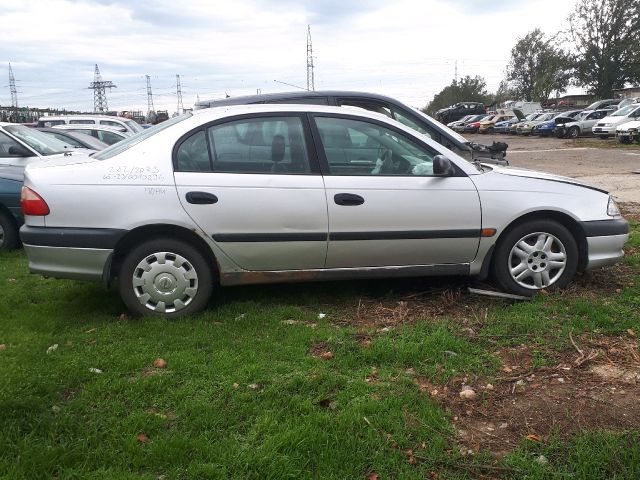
(252, 184)
(386, 207)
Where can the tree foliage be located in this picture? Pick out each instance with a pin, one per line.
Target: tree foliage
(538, 68)
(467, 89)
(606, 35)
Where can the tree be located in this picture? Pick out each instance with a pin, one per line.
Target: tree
(606, 36)
(466, 89)
(538, 68)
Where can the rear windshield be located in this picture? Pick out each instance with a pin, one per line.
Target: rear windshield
(41, 142)
(129, 142)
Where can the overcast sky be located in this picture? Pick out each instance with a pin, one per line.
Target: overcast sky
(402, 48)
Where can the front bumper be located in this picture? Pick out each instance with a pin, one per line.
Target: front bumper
(605, 241)
(604, 131)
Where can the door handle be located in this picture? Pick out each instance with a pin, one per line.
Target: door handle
(348, 199)
(201, 198)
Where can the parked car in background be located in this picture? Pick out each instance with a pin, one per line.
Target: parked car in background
(486, 126)
(582, 124)
(459, 126)
(103, 120)
(273, 193)
(547, 128)
(108, 135)
(628, 101)
(20, 145)
(513, 129)
(526, 128)
(388, 106)
(76, 139)
(628, 132)
(459, 110)
(606, 127)
(611, 103)
(462, 121)
(505, 125)
(11, 218)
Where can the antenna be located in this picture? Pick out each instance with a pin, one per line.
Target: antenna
(179, 92)
(99, 87)
(149, 96)
(310, 79)
(14, 94)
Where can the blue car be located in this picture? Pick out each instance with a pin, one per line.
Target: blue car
(545, 128)
(11, 178)
(503, 127)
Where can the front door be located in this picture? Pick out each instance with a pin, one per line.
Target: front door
(386, 207)
(253, 187)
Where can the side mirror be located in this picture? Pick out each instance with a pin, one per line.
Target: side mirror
(442, 166)
(19, 151)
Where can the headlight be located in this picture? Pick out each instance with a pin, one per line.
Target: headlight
(612, 208)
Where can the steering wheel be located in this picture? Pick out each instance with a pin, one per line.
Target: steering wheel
(385, 155)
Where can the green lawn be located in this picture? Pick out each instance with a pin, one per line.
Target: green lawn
(246, 395)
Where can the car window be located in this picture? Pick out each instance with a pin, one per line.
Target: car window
(110, 123)
(303, 101)
(39, 141)
(109, 137)
(411, 124)
(50, 123)
(273, 145)
(355, 147)
(6, 143)
(81, 122)
(64, 138)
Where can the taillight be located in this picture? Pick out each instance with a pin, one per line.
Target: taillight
(32, 203)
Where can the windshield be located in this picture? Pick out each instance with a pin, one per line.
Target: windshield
(133, 126)
(546, 116)
(41, 142)
(129, 142)
(624, 111)
(450, 132)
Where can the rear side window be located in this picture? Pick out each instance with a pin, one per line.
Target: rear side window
(81, 122)
(271, 145)
(110, 123)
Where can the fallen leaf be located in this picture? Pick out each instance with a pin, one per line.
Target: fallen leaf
(160, 363)
(321, 316)
(2, 346)
(410, 458)
(507, 370)
(123, 317)
(241, 316)
(326, 355)
(11, 280)
(254, 386)
(91, 342)
(236, 385)
(91, 330)
(142, 438)
(372, 476)
(95, 370)
(52, 348)
(290, 322)
(631, 332)
(533, 437)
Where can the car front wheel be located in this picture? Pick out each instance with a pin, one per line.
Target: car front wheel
(165, 277)
(536, 255)
(574, 132)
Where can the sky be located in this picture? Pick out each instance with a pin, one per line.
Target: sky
(407, 49)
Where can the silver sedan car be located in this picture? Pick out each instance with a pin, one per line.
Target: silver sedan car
(272, 193)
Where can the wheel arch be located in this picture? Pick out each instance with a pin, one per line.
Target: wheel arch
(565, 220)
(138, 235)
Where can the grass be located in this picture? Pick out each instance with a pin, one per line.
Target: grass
(245, 396)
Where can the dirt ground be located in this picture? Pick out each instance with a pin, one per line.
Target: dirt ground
(606, 167)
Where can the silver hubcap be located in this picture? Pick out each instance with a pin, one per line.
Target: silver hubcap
(165, 282)
(537, 260)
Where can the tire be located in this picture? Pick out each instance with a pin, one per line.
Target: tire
(180, 287)
(525, 271)
(623, 140)
(8, 232)
(574, 132)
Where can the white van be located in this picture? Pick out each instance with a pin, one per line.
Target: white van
(126, 124)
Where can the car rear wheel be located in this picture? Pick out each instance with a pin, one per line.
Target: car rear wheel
(574, 132)
(536, 255)
(8, 232)
(165, 277)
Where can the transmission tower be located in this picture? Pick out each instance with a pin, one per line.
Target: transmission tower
(310, 79)
(14, 94)
(99, 87)
(179, 92)
(149, 96)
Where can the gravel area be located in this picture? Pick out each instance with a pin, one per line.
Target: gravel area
(598, 162)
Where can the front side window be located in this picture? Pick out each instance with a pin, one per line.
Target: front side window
(259, 145)
(6, 143)
(110, 123)
(356, 147)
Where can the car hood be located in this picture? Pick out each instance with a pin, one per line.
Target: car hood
(628, 125)
(520, 172)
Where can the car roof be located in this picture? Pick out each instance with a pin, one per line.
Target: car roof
(274, 97)
(83, 115)
(88, 126)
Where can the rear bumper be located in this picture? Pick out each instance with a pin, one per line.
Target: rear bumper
(75, 253)
(605, 241)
